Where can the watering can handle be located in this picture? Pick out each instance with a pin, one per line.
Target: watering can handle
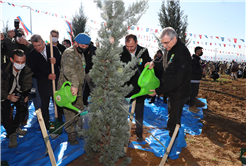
(143, 72)
(66, 82)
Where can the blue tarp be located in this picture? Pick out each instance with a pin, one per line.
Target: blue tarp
(31, 148)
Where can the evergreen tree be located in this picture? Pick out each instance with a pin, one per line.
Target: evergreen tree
(79, 22)
(108, 131)
(171, 15)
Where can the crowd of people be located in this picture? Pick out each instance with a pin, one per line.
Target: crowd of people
(26, 74)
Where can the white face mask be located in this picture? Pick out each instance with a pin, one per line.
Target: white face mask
(19, 66)
(54, 39)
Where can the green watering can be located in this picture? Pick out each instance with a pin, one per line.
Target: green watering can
(64, 97)
(147, 81)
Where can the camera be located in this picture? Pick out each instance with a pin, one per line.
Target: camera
(17, 30)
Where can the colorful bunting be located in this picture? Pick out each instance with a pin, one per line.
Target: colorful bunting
(23, 25)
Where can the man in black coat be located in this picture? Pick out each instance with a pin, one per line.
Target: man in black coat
(176, 75)
(196, 76)
(40, 62)
(130, 49)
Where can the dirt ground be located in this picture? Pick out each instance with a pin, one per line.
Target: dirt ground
(223, 131)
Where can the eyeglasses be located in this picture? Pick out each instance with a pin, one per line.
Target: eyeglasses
(166, 43)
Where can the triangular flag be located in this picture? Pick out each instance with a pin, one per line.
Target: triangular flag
(242, 40)
(239, 46)
(224, 45)
(222, 38)
(217, 37)
(229, 39)
(206, 36)
(195, 35)
(200, 36)
(235, 40)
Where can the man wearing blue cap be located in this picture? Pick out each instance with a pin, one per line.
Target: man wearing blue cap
(73, 66)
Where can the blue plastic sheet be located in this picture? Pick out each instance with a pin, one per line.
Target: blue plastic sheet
(31, 147)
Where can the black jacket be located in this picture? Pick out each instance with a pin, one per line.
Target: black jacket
(90, 51)
(42, 68)
(60, 47)
(176, 77)
(7, 79)
(196, 70)
(126, 57)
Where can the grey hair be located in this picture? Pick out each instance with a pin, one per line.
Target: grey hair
(36, 38)
(169, 31)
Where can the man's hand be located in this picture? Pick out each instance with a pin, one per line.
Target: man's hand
(2, 36)
(11, 34)
(53, 60)
(13, 98)
(153, 94)
(52, 76)
(151, 64)
(74, 91)
(23, 41)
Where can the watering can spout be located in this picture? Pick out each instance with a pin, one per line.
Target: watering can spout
(70, 106)
(141, 93)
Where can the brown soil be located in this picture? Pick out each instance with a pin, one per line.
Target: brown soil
(223, 132)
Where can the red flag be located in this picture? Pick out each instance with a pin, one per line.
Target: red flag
(224, 45)
(239, 46)
(1, 1)
(198, 42)
(235, 40)
(128, 27)
(138, 28)
(210, 44)
(13, 5)
(185, 34)
(156, 30)
(194, 35)
(200, 36)
(228, 52)
(217, 37)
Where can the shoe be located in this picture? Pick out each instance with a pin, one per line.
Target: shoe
(198, 103)
(20, 131)
(140, 139)
(13, 140)
(193, 109)
(72, 138)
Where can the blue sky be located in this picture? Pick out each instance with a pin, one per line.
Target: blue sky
(212, 18)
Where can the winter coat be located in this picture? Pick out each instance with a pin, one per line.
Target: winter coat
(72, 69)
(196, 70)
(7, 79)
(126, 57)
(176, 78)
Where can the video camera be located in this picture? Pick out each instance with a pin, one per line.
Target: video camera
(17, 30)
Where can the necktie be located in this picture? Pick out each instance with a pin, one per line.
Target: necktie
(45, 57)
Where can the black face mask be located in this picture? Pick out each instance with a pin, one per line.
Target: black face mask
(81, 50)
(201, 53)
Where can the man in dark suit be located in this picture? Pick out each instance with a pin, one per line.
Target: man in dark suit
(129, 50)
(176, 76)
(40, 62)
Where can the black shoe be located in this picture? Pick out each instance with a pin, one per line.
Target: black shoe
(140, 139)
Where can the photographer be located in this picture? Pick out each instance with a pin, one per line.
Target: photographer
(16, 39)
(16, 81)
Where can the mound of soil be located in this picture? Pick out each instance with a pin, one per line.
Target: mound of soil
(223, 132)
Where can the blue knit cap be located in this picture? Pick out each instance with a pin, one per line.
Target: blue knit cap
(83, 38)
